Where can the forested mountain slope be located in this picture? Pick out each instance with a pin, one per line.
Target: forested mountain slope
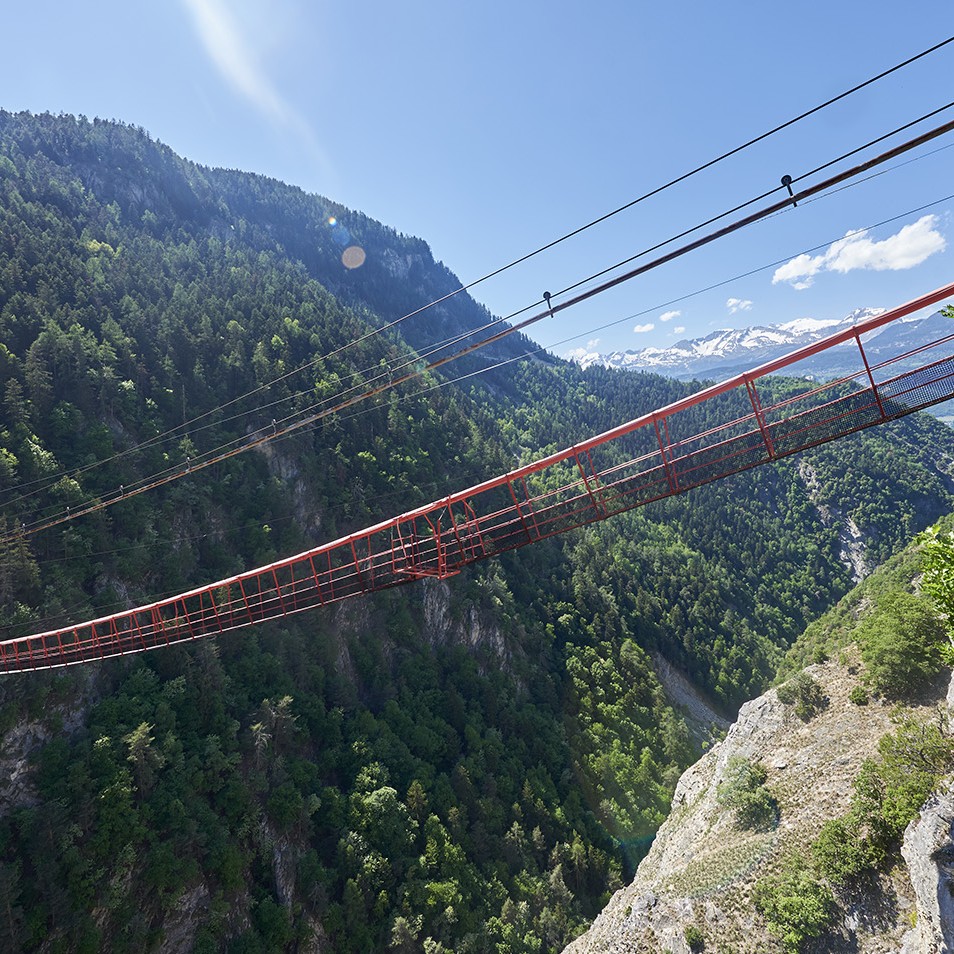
(465, 765)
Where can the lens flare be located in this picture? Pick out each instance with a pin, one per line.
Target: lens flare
(353, 256)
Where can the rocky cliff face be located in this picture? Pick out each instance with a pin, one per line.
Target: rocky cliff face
(928, 852)
(702, 869)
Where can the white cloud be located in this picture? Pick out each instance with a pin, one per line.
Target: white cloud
(592, 343)
(738, 304)
(679, 329)
(908, 247)
(642, 329)
(669, 315)
(800, 272)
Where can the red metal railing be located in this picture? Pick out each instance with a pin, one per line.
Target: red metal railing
(654, 456)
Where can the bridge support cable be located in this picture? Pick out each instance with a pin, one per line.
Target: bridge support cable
(651, 457)
(415, 368)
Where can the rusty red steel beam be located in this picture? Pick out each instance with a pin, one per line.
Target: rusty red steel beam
(579, 485)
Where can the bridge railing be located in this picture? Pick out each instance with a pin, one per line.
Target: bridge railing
(742, 423)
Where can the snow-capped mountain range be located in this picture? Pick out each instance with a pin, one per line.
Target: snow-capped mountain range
(725, 353)
(730, 351)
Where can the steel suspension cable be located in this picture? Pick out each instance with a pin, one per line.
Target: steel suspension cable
(520, 260)
(418, 372)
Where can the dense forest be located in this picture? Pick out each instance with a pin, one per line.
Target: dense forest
(462, 765)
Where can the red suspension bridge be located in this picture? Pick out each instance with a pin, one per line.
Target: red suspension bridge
(658, 455)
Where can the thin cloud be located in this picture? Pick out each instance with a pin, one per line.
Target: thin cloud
(240, 65)
(669, 315)
(907, 248)
(679, 329)
(642, 329)
(234, 58)
(738, 304)
(592, 343)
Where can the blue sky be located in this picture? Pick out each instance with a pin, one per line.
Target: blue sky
(490, 129)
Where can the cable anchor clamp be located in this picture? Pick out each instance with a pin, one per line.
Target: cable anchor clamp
(787, 182)
(546, 298)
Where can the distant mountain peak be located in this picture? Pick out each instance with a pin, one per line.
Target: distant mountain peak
(723, 348)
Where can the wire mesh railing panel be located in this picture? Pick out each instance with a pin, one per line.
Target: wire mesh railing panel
(720, 459)
(635, 483)
(918, 389)
(504, 531)
(559, 498)
(633, 445)
(836, 418)
(499, 523)
(689, 426)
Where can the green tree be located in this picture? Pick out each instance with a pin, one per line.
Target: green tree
(795, 905)
(804, 693)
(11, 909)
(937, 547)
(840, 852)
(902, 645)
(145, 757)
(694, 937)
(404, 935)
(744, 792)
(889, 791)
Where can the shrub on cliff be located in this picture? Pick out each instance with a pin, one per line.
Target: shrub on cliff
(743, 791)
(902, 645)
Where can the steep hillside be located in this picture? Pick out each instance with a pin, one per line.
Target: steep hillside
(466, 765)
(787, 835)
(702, 875)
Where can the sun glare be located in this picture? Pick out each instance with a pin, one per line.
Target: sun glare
(353, 256)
